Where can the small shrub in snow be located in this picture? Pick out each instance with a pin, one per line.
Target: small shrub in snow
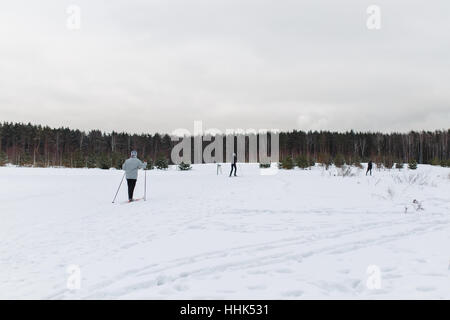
(412, 165)
(302, 162)
(162, 164)
(388, 162)
(287, 163)
(345, 171)
(435, 162)
(103, 162)
(264, 165)
(150, 165)
(399, 165)
(325, 160)
(117, 159)
(339, 160)
(357, 163)
(184, 166)
(445, 163)
(414, 178)
(90, 161)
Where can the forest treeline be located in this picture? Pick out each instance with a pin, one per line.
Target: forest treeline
(42, 146)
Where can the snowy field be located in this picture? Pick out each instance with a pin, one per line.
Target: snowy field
(295, 235)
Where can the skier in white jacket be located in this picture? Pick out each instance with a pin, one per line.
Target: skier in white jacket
(131, 167)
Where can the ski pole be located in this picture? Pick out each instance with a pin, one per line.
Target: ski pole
(118, 188)
(145, 185)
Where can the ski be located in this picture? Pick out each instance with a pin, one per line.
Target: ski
(134, 200)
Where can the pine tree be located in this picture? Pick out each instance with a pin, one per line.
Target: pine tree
(150, 165)
(103, 162)
(162, 163)
(325, 160)
(117, 160)
(357, 162)
(184, 166)
(399, 165)
(435, 162)
(388, 162)
(3, 158)
(339, 160)
(78, 160)
(28, 144)
(412, 165)
(287, 163)
(264, 165)
(302, 162)
(91, 161)
(311, 161)
(445, 163)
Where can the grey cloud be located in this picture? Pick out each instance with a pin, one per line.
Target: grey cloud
(146, 66)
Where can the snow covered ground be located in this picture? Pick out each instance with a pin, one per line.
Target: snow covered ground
(294, 235)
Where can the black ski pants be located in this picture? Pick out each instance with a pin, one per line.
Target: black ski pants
(131, 185)
(233, 166)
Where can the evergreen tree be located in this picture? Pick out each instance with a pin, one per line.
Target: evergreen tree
(339, 160)
(388, 162)
(117, 160)
(3, 158)
(287, 163)
(25, 160)
(311, 161)
(162, 163)
(28, 144)
(150, 164)
(399, 165)
(91, 161)
(264, 165)
(302, 162)
(325, 160)
(357, 162)
(103, 162)
(184, 166)
(435, 162)
(78, 160)
(412, 164)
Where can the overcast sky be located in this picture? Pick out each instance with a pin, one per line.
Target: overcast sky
(158, 65)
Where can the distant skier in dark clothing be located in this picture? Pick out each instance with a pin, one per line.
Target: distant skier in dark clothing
(131, 167)
(233, 165)
(369, 167)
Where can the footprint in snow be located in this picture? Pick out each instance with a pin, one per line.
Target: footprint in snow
(284, 270)
(293, 293)
(257, 287)
(344, 271)
(181, 287)
(425, 289)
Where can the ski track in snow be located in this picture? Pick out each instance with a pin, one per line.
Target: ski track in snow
(297, 234)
